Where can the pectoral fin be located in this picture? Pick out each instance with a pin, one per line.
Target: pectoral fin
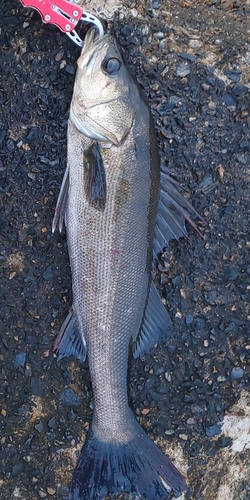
(173, 211)
(61, 203)
(94, 177)
(156, 324)
(69, 341)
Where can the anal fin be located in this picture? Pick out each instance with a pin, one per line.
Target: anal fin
(69, 341)
(156, 324)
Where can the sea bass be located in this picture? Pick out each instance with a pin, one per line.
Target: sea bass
(117, 220)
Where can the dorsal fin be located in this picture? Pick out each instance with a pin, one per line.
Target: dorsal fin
(173, 211)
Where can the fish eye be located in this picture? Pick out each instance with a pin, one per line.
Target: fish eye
(111, 66)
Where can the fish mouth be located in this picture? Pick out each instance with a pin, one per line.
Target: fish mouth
(90, 48)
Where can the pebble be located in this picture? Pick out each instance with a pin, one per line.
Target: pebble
(190, 421)
(69, 397)
(237, 373)
(134, 12)
(42, 494)
(39, 427)
(20, 359)
(229, 100)
(189, 319)
(183, 436)
(183, 69)
(230, 327)
(10, 145)
(194, 44)
(70, 69)
(48, 273)
(169, 432)
(159, 35)
(233, 74)
(51, 491)
(52, 423)
(168, 376)
(59, 55)
(63, 490)
(213, 430)
(205, 86)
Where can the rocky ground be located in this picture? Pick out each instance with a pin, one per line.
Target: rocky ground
(192, 394)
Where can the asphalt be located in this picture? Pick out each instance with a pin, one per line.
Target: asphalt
(192, 394)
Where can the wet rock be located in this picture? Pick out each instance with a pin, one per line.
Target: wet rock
(69, 397)
(224, 441)
(213, 430)
(214, 297)
(63, 491)
(230, 327)
(10, 145)
(52, 423)
(21, 359)
(229, 100)
(36, 386)
(233, 74)
(17, 469)
(189, 319)
(48, 273)
(183, 70)
(230, 273)
(70, 69)
(39, 426)
(237, 373)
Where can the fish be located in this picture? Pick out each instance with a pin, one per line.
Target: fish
(120, 212)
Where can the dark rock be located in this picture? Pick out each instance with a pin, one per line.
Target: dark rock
(52, 423)
(183, 70)
(214, 297)
(10, 145)
(229, 100)
(230, 327)
(233, 74)
(70, 69)
(230, 274)
(69, 397)
(17, 469)
(48, 273)
(224, 442)
(3, 134)
(189, 319)
(237, 373)
(36, 386)
(213, 430)
(21, 359)
(39, 427)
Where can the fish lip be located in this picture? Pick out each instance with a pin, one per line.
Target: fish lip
(90, 44)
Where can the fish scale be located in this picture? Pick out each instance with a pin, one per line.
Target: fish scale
(109, 271)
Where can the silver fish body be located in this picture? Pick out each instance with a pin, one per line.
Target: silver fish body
(115, 218)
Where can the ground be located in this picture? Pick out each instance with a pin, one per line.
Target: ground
(192, 394)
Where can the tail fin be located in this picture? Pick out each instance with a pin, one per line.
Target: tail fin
(138, 466)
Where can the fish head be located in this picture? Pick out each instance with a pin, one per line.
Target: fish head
(104, 91)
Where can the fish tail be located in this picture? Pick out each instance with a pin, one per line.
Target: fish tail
(137, 466)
